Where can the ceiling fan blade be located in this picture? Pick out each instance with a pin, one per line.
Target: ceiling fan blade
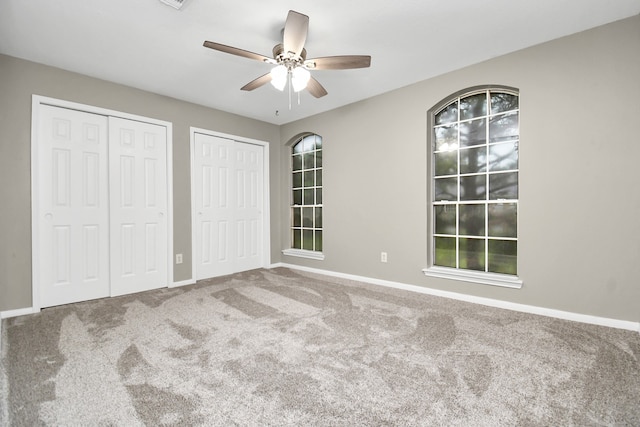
(295, 32)
(255, 84)
(235, 51)
(315, 88)
(338, 62)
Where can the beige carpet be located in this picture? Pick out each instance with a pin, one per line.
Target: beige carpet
(279, 347)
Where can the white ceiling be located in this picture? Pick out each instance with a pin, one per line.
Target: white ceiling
(151, 46)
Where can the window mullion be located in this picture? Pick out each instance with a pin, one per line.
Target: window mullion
(486, 204)
(457, 206)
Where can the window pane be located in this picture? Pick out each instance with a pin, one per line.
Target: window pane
(503, 127)
(307, 217)
(297, 162)
(473, 133)
(297, 197)
(445, 219)
(503, 220)
(446, 189)
(446, 137)
(296, 216)
(318, 217)
(471, 220)
(307, 239)
(298, 147)
(309, 162)
(309, 142)
(503, 156)
(318, 196)
(503, 256)
(319, 177)
(445, 248)
(503, 102)
(296, 180)
(308, 197)
(473, 106)
(448, 114)
(473, 187)
(318, 240)
(318, 142)
(297, 239)
(446, 163)
(473, 160)
(503, 186)
(472, 254)
(319, 159)
(309, 178)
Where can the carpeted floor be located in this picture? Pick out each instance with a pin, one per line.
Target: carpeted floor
(280, 347)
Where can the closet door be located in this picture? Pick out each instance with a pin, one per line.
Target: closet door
(71, 217)
(249, 201)
(138, 208)
(228, 200)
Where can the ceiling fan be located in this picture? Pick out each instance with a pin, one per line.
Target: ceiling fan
(290, 59)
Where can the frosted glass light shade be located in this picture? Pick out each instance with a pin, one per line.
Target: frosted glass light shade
(279, 77)
(299, 78)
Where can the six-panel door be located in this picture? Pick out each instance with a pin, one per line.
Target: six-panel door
(228, 180)
(138, 195)
(73, 203)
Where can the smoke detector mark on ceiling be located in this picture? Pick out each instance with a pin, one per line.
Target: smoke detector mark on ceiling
(177, 4)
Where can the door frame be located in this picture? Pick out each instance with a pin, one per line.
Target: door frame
(266, 212)
(36, 102)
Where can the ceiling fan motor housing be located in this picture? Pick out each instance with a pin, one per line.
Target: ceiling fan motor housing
(280, 55)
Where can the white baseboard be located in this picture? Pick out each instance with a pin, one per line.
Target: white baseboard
(18, 312)
(559, 314)
(183, 283)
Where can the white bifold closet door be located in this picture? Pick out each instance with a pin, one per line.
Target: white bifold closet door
(102, 201)
(73, 203)
(228, 181)
(138, 190)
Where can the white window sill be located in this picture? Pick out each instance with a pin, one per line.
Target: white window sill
(493, 279)
(300, 253)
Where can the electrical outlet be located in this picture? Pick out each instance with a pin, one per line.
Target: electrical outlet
(383, 257)
(178, 258)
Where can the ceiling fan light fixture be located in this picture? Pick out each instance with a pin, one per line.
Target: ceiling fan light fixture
(291, 66)
(299, 78)
(279, 76)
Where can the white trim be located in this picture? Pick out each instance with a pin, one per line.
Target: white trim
(36, 102)
(18, 312)
(182, 283)
(524, 308)
(301, 253)
(266, 202)
(474, 277)
(35, 206)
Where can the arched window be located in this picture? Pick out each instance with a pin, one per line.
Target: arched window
(473, 193)
(306, 195)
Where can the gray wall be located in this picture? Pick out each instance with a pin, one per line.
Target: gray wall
(579, 223)
(19, 80)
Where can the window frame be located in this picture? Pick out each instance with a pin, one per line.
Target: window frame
(457, 273)
(299, 252)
